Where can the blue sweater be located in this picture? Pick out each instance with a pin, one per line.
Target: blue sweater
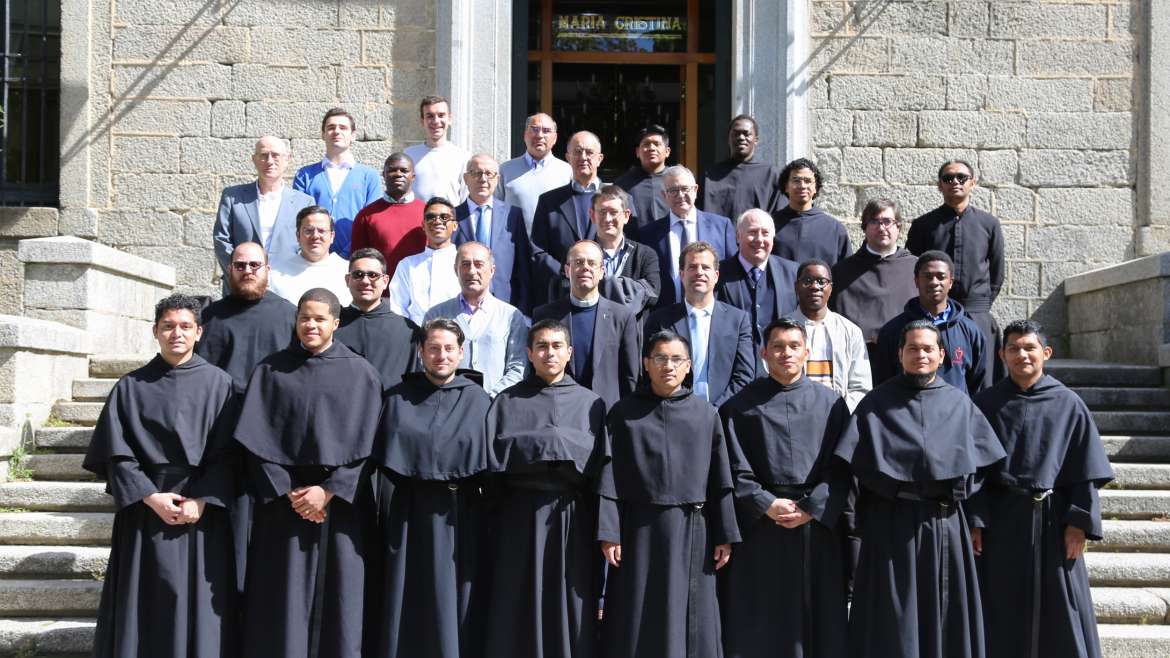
(361, 187)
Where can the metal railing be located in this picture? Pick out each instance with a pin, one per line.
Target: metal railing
(30, 91)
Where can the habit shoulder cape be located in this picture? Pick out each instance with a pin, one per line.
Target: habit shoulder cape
(168, 590)
(666, 497)
(239, 334)
(547, 441)
(783, 593)
(917, 453)
(430, 444)
(812, 233)
(731, 187)
(871, 290)
(1052, 444)
(387, 340)
(308, 419)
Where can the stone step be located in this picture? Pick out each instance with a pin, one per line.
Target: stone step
(1134, 640)
(46, 637)
(1076, 372)
(64, 439)
(1137, 448)
(1141, 476)
(56, 496)
(1111, 397)
(78, 413)
(58, 466)
(1134, 536)
(67, 598)
(113, 366)
(29, 562)
(1128, 569)
(1128, 422)
(1135, 504)
(56, 528)
(1130, 605)
(92, 389)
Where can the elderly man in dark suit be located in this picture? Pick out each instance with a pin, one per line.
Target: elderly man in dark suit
(603, 333)
(499, 226)
(683, 225)
(754, 280)
(720, 366)
(264, 212)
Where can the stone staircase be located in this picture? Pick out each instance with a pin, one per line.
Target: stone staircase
(55, 527)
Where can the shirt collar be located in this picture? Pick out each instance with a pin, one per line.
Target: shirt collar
(483, 303)
(615, 252)
(271, 196)
(941, 317)
(675, 219)
(592, 188)
(347, 162)
(406, 198)
(584, 303)
(747, 266)
(870, 250)
(431, 252)
(533, 163)
(471, 205)
(699, 311)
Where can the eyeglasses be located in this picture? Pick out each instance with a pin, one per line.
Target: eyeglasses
(585, 262)
(246, 265)
(815, 282)
(541, 130)
(486, 175)
(309, 231)
(679, 190)
(359, 275)
(661, 360)
(884, 222)
(961, 179)
(585, 153)
(438, 218)
(800, 180)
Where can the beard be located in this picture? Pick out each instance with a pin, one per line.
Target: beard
(921, 381)
(250, 291)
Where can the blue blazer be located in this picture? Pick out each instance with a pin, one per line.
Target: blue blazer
(238, 221)
(709, 227)
(730, 364)
(511, 249)
(734, 288)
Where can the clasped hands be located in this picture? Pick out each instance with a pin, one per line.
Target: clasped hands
(310, 502)
(173, 508)
(786, 514)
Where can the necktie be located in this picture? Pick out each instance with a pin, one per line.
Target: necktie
(481, 234)
(699, 356)
(756, 273)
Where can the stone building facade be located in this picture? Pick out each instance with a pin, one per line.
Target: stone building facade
(163, 99)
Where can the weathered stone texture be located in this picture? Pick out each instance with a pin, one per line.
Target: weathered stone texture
(1085, 206)
(1034, 19)
(186, 43)
(885, 128)
(1087, 130)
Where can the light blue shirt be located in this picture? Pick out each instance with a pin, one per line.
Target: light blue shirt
(496, 334)
(486, 229)
(699, 322)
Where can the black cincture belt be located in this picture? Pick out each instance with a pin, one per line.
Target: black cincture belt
(1041, 501)
(789, 492)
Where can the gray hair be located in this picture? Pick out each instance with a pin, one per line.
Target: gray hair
(756, 213)
(675, 171)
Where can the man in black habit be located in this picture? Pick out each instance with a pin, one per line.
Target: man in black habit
(170, 586)
(369, 327)
(431, 452)
(308, 422)
(547, 437)
(804, 231)
(785, 592)
(919, 449)
(741, 182)
(667, 514)
(1038, 508)
(644, 181)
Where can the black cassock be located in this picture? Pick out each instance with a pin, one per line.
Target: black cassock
(667, 498)
(812, 233)
(168, 590)
(731, 187)
(1049, 480)
(783, 593)
(547, 441)
(308, 419)
(431, 452)
(918, 454)
(386, 339)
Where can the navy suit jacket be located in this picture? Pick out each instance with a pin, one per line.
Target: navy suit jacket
(709, 227)
(730, 364)
(616, 348)
(555, 226)
(238, 221)
(734, 288)
(511, 250)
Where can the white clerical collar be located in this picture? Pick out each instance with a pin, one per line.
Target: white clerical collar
(584, 303)
(881, 255)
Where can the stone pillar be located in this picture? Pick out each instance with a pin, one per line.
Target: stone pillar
(769, 73)
(1153, 231)
(474, 71)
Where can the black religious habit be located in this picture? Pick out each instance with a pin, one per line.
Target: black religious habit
(871, 290)
(387, 340)
(731, 187)
(813, 233)
(646, 198)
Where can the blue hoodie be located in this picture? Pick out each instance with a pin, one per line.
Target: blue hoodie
(965, 365)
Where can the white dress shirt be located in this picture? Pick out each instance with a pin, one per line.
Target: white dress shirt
(292, 276)
(423, 280)
(337, 172)
(267, 207)
(496, 334)
(689, 225)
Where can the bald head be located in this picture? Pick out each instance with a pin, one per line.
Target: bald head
(540, 135)
(584, 156)
(248, 271)
(754, 232)
(270, 157)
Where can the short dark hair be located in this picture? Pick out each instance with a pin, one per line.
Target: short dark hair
(933, 256)
(876, 206)
(1024, 328)
(313, 210)
(432, 100)
(796, 165)
(915, 325)
(398, 155)
(813, 262)
(338, 112)
(368, 252)
(443, 324)
(322, 296)
(178, 302)
(664, 336)
(784, 324)
(547, 324)
(608, 193)
(438, 201)
(745, 117)
(970, 169)
(654, 129)
(696, 247)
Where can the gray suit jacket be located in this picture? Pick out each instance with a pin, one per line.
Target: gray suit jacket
(238, 221)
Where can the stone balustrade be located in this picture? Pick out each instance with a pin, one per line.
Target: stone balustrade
(1121, 313)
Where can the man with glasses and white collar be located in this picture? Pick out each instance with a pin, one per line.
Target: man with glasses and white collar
(314, 266)
(974, 241)
(536, 171)
(425, 279)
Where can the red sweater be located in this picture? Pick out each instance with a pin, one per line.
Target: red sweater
(395, 229)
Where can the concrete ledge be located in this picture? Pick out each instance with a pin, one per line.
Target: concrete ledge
(18, 332)
(68, 249)
(1140, 269)
(46, 637)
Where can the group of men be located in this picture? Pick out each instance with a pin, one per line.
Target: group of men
(413, 441)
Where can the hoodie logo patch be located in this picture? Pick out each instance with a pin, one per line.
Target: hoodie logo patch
(957, 359)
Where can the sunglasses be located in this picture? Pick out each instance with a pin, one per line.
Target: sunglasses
(961, 179)
(360, 275)
(245, 265)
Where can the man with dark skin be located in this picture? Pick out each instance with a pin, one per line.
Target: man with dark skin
(740, 183)
(392, 224)
(838, 358)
